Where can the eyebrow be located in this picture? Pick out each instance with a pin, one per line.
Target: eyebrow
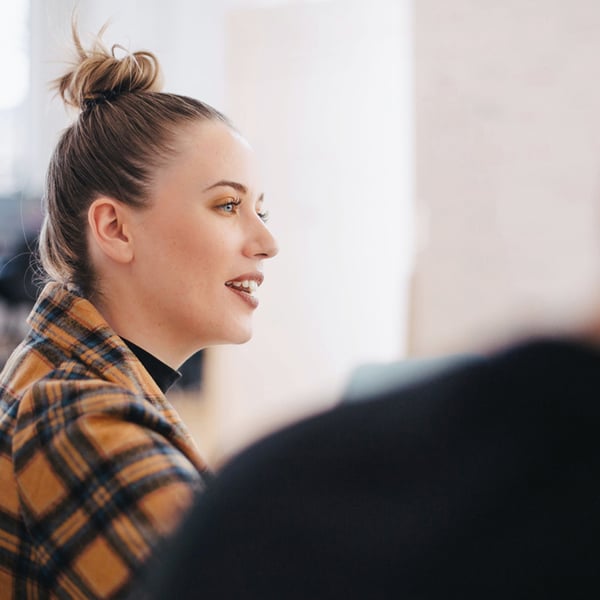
(240, 187)
(232, 184)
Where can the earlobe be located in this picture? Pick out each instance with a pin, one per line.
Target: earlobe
(109, 229)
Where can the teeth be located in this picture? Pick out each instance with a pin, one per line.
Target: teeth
(247, 285)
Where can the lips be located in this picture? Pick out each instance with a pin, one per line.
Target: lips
(247, 283)
(244, 287)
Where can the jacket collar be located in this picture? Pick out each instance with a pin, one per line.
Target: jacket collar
(64, 320)
(73, 323)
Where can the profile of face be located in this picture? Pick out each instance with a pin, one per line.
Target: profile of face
(200, 245)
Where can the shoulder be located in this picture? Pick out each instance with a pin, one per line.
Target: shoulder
(69, 393)
(85, 434)
(102, 477)
(97, 418)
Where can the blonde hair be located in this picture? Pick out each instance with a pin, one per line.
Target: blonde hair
(125, 130)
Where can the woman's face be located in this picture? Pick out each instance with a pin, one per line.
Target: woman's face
(201, 244)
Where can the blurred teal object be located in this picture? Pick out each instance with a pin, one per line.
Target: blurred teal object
(374, 378)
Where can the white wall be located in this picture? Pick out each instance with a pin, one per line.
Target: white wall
(323, 92)
(507, 157)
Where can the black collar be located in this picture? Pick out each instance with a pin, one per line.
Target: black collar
(162, 374)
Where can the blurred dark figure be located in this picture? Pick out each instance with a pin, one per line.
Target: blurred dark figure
(18, 290)
(18, 282)
(481, 482)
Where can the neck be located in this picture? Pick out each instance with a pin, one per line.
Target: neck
(137, 323)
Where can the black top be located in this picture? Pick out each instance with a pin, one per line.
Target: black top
(162, 374)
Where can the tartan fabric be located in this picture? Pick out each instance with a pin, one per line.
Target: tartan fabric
(95, 465)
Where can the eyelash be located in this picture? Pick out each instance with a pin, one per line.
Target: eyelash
(234, 203)
(263, 215)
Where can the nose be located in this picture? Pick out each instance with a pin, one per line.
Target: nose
(261, 243)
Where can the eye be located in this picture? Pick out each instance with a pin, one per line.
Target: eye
(263, 215)
(230, 207)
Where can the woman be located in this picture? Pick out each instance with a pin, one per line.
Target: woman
(153, 241)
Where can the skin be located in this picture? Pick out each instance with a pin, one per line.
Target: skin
(163, 269)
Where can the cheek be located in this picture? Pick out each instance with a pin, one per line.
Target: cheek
(192, 246)
(182, 237)
(203, 254)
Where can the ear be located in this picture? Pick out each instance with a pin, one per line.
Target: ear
(110, 230)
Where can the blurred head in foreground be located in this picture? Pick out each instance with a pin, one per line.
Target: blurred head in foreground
(480, 482)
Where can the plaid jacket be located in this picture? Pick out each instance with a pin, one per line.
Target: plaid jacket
(95, 465)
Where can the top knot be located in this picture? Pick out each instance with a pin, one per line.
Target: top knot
(98, 76)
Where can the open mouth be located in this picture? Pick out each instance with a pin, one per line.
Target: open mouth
(248, 285)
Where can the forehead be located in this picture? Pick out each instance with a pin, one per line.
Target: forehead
(211, 151)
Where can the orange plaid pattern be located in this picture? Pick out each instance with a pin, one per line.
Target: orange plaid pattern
(95, 465)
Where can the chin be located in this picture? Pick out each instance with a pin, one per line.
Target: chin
(240, 336)
(243, 339)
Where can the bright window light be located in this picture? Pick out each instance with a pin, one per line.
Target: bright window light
(14, 61)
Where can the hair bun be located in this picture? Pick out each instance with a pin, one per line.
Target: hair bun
(99, 76)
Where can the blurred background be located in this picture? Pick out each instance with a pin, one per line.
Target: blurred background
(432, 173)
